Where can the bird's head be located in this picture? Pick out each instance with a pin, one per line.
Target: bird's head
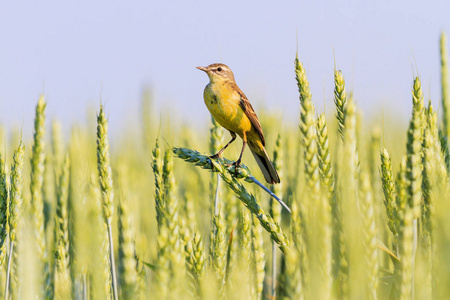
(218, 72)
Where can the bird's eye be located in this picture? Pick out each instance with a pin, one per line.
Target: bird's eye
(219, 69)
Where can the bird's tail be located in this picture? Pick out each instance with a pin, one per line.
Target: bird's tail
(266, 166)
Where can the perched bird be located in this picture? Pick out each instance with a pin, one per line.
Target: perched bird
(231, 109)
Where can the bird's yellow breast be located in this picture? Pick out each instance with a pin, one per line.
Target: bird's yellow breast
(223, 103)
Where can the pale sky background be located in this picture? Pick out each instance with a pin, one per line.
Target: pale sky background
(75, 51)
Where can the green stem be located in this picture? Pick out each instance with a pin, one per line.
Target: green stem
(8, 271)
(85, 288)
(111, 259)
(274, 270)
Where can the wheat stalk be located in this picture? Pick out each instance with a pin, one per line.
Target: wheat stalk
(15, 206)
(349, 195)
(428, 192)
(370, 236)
(106, 186)
(407, 258)
(275, 208)
(227, 174)
(37, 182)
(171, 219)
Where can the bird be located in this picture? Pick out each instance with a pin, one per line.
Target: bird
(232, 110)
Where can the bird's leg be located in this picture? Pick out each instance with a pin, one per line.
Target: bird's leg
(238, 162)
(217, 155)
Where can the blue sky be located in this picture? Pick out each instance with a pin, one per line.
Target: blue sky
(76, 51)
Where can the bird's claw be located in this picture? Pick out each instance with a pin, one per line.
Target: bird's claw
(211, 157)
(236, 165)
(215, 156)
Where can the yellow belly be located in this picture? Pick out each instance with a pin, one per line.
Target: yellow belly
(223, 104)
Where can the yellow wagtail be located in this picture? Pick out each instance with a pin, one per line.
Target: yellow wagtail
(231, 109)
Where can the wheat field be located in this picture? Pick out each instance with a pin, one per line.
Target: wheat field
(155, 218)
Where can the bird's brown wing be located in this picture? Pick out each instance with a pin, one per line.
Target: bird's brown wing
(250, 112)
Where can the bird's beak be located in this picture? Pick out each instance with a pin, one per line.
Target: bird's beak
(202, 68)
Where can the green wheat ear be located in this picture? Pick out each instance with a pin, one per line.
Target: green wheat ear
(62, 259)
(104, 166)
(245, 248)
(414, 150)
(390, 194)
(4, 211)
(308, 137)
(127, 263)
(370, 236)
(327, 213)
(15, 212)
(229, 176)
(218, 248)
(174, 247)
(258, 257)
(407, 263)
(37, 186)
(16, 194)
(340, 100)
(195, 262)
(106, 186)
(348, 173)
(37, 178)
(157, 165)
(308, 129)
